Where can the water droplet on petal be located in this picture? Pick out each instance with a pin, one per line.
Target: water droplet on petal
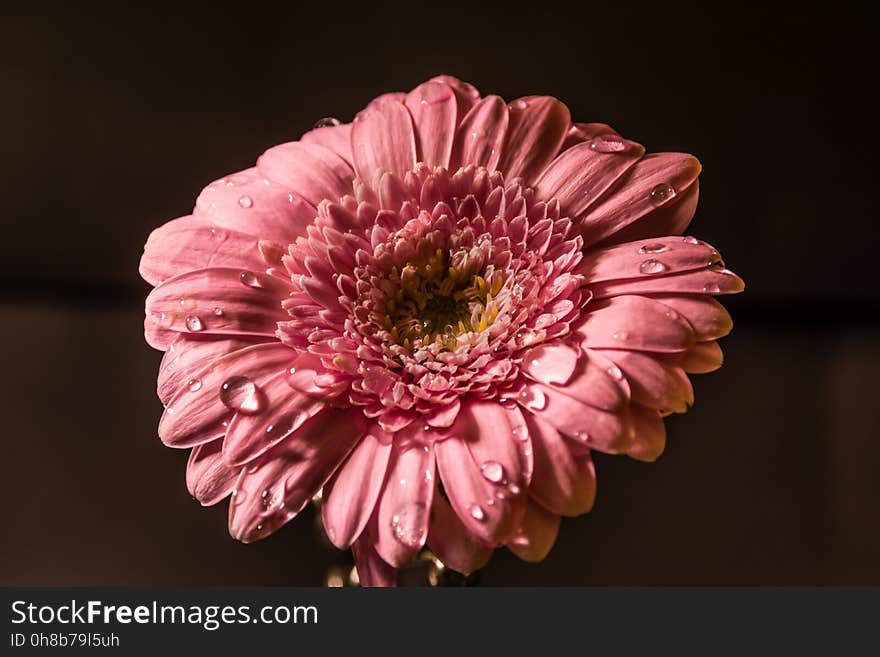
(519, 104)
(651, 266)
(194, 385)
(619, 335)
(533, 398)
(653, 247)
(241, 394)
(477, 512)
(615, 373)
(712, 288)
(662, 193)
(690, 240)
(608, 144)
(326, 122)
(246, 201)
(493, 471)
(250, 279)
(218, 312)
(408, 524)
(193, 323)
(513, 488)
(266, 498)
(582, 436)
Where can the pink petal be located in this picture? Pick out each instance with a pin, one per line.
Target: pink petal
(189, 243)
(309, 170)
(483, 465)
(581, 132)
(601, 430)
(708, 318)
(249, 203)
(286, 410)
(644, 188)
(275, 490)
(480, 136)
(658, 256)
(579, 175)
(465, 93)
(537, 128)
(336, 138)
(553, 362)
(697, 281)
(650, 434)
(671, 218)
(453, 544)
(633, 322)
(444, 416)
(403, 508)
(653, 382)
(208, 478)
(432, 106)
(703, 357)
(194, 415)
(350, 496)
(383, 138)
(372, 569)
(597, 381)
(190, 353)
(562, 482)
(536, 534)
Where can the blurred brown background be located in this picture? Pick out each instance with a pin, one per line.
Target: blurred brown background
(111, 121)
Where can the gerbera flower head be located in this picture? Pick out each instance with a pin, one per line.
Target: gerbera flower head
(434, 314)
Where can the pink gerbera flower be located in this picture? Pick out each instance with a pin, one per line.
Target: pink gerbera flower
(433, 313)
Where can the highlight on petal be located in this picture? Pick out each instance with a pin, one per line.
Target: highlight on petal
(433, 108)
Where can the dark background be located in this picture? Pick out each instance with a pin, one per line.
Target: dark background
(112, 120)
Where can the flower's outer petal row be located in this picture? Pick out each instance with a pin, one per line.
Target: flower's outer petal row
(536, 534)
(195, 413)
(336, 138)
(564, 482)
(671, 218)
(480, 137)
(643, 188)
(598, 382)
(275, 489)
(372, 569)
(383, 139)
(433, 109)
(452, 542)
(634, 322)
(657, 256)
(190, 243)
(286, 410)
(581, 132)
(581, 174)
(311, 171)
(403, 509)
(708, 280)
(654, 382)
(209, 478)
(190, 353)
(218, 301)
(350, 496)
(249, 202)
(536, 131)
(649, 432)
(466, 94)
(485, 466)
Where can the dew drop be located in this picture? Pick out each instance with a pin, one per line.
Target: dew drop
(615, 373)
(266, 498)
(519, 104)
(654, 247)
(242, 395)
(533, 399)
(194, 385)
(326, 122)
(712, 288)
(619, 335)
(651, 266)
(218, 312)
(582, 436)
(690, 240)
(493, 471)
(408, 524)
(514, 489)
(662, 193)
(477, 512)
(193, 323)
(246, 202)
(608, 144)
(250, 279)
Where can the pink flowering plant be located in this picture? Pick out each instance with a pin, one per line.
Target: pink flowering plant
(434, 314)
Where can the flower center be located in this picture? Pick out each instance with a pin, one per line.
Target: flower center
(436, 302)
